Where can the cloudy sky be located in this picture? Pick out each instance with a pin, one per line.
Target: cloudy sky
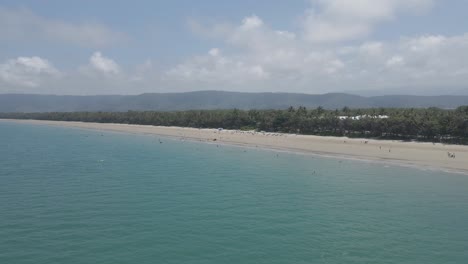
(311, 46)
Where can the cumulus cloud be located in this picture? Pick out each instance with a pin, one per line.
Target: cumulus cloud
(250, 23)
(103, 64)
(264, 54)
(253, 56)
(395, 61)
(340, 20)
(425, 43)
(22, 24)
(215, 68)
(420, 61)
(27, 71)
(371, 48)
(214, 52)
(271, 59)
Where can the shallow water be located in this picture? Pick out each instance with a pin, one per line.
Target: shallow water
(79, 196)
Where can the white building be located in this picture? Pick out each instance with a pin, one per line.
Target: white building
(363, 116)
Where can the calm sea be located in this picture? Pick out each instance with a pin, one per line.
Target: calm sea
(78, 196)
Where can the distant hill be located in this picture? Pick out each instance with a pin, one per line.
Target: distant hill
(215, 100)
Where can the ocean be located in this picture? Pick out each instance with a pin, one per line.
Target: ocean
(80, 196)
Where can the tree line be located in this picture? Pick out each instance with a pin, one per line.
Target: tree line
(420, 124)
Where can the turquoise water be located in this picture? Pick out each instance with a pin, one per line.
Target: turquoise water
(79, 196)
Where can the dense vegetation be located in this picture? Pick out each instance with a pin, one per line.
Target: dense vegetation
(430, 124)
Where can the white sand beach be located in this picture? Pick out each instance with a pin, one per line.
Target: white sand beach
(426, 155)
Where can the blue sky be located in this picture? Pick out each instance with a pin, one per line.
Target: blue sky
(311, 46)
(156, 29)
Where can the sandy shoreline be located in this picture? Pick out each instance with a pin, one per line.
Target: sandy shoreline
(426, 155)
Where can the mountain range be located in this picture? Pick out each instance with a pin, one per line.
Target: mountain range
(215, 100)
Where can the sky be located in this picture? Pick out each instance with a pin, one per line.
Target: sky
(368, 47)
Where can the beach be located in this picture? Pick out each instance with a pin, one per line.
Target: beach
(425, 155)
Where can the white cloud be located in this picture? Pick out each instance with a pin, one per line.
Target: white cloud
(250, 23)
(103, 65)
(395, 61)
(253, 56)
(284, 65)
(265, 54)
(258, 72)
(27, 71)
(214, 52)
(22, 24)
(425, 43)
(270, 60)
(334, 66)
(215, 68)
(340, 20)
(372, 48)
